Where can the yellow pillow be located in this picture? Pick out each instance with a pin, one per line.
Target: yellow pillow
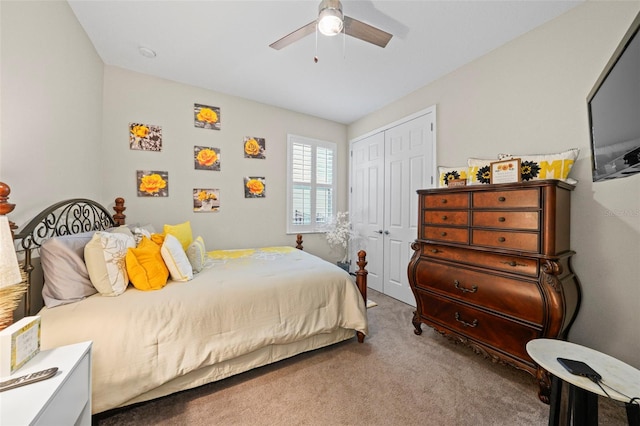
(182, 232)
(145, 266)
(157, 238)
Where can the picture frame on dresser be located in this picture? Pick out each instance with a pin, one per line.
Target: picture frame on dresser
(505, 171)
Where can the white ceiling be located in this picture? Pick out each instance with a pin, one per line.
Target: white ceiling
(224, 46)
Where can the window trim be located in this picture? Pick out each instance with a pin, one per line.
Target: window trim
(313, 227)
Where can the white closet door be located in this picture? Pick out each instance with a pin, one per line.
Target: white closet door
(367, 197)
(408, 149)
(387, 168)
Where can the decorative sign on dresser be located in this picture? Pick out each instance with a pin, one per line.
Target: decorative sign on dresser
(491, 268)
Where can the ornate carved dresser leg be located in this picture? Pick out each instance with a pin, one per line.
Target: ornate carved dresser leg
(416, 323)
(544, 383)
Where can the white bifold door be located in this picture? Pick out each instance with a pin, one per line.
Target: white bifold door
(387, 168)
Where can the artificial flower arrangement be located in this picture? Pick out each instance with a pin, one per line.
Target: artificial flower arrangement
(339, 233)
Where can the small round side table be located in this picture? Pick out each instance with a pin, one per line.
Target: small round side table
(621, 381)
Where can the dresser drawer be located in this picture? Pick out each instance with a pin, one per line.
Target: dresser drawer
(516, 298)
(446, 217)
(514, 264)
(446, 201)
(451, 235)
(496, 332)
(507, 220)
(521, 241)
(523, 198)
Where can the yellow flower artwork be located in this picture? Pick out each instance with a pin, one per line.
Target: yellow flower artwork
(145, 137)
(254, 187)
(152, 183)
(206, 158)
(206, 200)
(206, 117)
(254, 147)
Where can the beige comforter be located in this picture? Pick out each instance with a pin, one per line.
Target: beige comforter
(245, 301)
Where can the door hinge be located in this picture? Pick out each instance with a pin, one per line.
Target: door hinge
(432, 127)
(431, 180)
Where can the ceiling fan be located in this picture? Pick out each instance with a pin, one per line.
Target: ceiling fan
(331, 21)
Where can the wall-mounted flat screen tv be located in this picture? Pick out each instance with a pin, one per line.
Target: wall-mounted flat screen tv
(614, 112)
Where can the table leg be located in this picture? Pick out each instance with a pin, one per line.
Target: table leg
(555, 401)
(633, 414)
(585, 408)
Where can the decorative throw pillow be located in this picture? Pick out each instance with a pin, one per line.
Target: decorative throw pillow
(196, 253)
(545, 166)
(176, 259)
(105, 256)
(445, 174)
(145, 266)
(66, 279)
(182, 232)
(479, 171)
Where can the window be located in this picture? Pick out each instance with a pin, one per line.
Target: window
(311, 186)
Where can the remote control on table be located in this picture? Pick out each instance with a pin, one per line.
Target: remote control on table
(28, 378)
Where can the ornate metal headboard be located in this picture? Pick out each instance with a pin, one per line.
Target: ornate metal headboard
(63, 218)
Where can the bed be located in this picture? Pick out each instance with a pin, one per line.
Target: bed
(244, 309)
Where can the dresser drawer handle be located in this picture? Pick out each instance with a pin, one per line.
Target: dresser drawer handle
(513, 264)
(502, 239)
(444, 217)
(444, 201)
(502, 199)
(435, 251)
(443, 234)
(457, 285)
(501, 219)
(473, 323)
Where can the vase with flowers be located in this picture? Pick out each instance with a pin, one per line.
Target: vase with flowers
(339, 234)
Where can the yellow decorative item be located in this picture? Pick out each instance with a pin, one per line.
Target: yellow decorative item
(152, 183)
(145, 266)
(283, 249)
(157, 238)
(182, 232)
(545, 166)
(230, 254)
(445, 174)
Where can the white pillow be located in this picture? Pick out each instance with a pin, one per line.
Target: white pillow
(176, 259)
(546, 166)
(196, 253)
(105, 256)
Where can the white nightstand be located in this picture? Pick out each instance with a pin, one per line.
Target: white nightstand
(64, 399)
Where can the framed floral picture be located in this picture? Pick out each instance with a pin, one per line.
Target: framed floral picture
(506, 171)
(206, 117)
(206, 200)
(254, 147)
(254, 187)
(145, 137)
(152, 183)
(206, 158)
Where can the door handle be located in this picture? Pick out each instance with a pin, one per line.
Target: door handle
(379, 231)
(386, 232)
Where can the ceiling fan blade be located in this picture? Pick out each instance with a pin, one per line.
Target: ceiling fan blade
(366, 32)
(294, 36)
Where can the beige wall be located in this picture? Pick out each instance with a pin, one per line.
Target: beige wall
(527, 97)
(51, 106)
(132, 97)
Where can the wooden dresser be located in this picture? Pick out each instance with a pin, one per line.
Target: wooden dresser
(491, 268)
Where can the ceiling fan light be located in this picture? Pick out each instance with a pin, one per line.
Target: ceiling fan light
(330, 22)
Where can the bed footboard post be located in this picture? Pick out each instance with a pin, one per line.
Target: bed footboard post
(361, 274)
(119, 207)
(299, 242)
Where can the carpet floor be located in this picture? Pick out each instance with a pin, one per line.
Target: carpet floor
(394, 378)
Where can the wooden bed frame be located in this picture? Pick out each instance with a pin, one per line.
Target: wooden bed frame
(82, 215)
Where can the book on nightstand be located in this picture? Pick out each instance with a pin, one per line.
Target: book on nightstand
(18, 344)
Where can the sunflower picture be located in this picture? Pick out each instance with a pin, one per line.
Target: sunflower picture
(206, 158)
(152, 183)
(254, 147)
(254, 187)
(206, 117)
